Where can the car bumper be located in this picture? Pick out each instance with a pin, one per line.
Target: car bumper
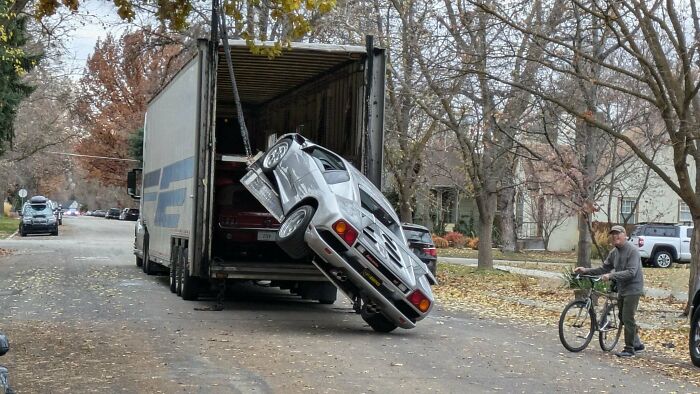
(392, 302)
(40, 228)
(644, 254)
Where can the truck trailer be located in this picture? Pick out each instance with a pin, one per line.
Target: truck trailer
(197, 220)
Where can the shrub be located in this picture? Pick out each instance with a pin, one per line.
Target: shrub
(603, 240)
(452, 235)
(473, 243)
(459, 242)
(440, 242)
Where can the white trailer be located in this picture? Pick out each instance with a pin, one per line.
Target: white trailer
(195, 220)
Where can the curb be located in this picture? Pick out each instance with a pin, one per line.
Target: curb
(11, 235)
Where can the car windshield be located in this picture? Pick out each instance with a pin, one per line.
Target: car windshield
(38, 209)
(418, 235)
(325, 160)
(376, 209)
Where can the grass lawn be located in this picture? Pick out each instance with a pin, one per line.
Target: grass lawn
(7, 226)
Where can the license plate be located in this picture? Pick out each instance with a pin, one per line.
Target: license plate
(371, 278)
(267, 236)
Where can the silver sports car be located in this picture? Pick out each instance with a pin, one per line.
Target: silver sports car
(330, 212)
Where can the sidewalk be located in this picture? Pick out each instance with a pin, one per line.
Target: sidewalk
(498, 264)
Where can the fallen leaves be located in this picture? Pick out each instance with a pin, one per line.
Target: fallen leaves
(500, 295)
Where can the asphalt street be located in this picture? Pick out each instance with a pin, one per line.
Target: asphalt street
(83, 318)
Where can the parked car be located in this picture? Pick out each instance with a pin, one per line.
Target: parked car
(421, 243)
(131, 214)
(99, 213)
(329, 210)
(662, 244)
(38, 217)
(113, 213)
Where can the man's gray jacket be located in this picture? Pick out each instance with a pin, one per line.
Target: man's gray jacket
(627, 264)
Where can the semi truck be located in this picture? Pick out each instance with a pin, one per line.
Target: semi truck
(198, 222)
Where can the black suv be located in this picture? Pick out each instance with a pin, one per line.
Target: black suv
(113, 213)
(421, 243)
(131, 214)
(38, 217)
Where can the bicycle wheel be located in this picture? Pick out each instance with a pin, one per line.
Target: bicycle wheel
(576, 326)
(610, 328)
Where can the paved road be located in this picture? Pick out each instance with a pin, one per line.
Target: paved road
(83, 317)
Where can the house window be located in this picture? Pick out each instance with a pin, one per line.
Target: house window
(684, 212)
(627, 211)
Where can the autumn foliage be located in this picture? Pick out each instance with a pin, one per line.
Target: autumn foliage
(120, 78)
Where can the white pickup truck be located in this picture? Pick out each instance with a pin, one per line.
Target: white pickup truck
(662, 244)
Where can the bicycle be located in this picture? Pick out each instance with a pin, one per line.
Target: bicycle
(579, 321)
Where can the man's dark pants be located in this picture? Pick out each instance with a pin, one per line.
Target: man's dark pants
(628, 308)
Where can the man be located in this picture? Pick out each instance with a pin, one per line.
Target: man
(627, 265)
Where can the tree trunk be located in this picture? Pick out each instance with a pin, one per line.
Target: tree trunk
(405, 212)
(694, 278)
(583, 258)
(506, 206)
(486, 203)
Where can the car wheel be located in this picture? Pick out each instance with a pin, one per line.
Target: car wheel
(663, 259)
(190, 290)
(139, 261)
(274, 156)
(377, 321)
(694, 337)
(55, 233)
(291, 232)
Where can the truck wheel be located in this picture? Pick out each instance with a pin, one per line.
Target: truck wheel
(663, 259)
(189, 291)
(148, 265)
(275, 154)
(694, 337)
(377, 321)
(291, 232)
(173, 269)
(139, 261)
(327, 293)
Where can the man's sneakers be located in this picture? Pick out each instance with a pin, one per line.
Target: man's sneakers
(625, 353)
(639, 348)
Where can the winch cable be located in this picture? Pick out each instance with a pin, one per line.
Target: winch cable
(236, 97)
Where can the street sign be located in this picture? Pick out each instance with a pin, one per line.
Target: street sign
(22, 193)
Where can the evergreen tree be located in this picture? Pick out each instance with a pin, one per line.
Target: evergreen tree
(14, 63)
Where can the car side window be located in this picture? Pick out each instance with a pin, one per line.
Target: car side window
(689, 233)
(325, 160)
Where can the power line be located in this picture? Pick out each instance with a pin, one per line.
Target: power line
(93, 157)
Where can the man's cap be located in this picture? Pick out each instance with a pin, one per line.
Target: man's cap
(616, 229)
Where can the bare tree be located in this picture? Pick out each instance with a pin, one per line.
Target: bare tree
(655, 59)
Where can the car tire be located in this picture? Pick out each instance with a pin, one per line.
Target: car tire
(139, 261)
(377, 321)
(291, 232)
(190, 290)
(22, 233)
(694, 338)
(175, 261)
(273, 157)
(663, 259)
(55, 233)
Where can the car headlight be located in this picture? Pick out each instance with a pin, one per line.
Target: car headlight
(26, 221)
(52, 220)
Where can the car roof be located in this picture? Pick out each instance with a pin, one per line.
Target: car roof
(38, 200)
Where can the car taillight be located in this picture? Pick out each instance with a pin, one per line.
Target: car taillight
(640, 241)
(346, 232)
(420, 301)
(430, 251)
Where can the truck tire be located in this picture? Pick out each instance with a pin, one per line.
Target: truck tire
(291, 232)
(139, 261)
(275, 154)
(663, 259)
(148, 265)
(173, 269)
(328, 293)
(189, 287)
